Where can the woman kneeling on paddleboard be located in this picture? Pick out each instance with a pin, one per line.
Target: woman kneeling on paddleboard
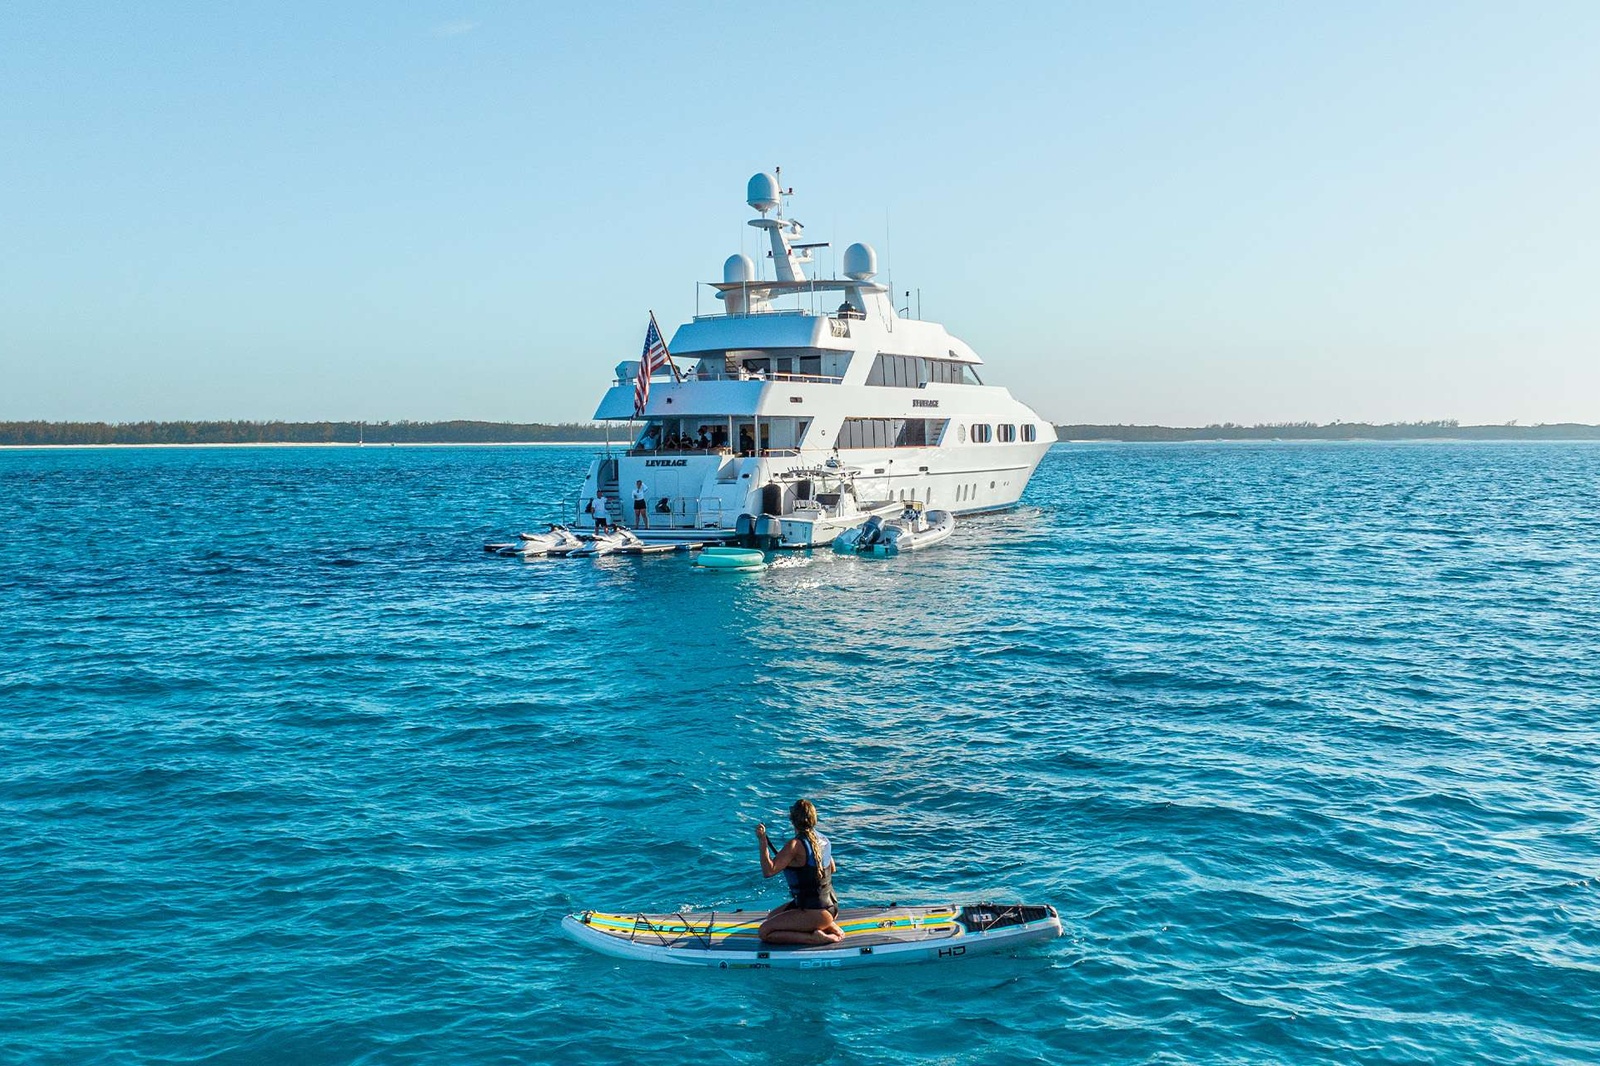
(807, 863)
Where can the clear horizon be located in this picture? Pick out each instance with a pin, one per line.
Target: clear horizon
(1175, 215)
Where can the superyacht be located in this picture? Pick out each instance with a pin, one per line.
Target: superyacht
(803, 406)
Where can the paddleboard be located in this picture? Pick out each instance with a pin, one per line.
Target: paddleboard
(728, 940)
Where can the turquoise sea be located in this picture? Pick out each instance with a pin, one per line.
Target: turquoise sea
(1302, 740)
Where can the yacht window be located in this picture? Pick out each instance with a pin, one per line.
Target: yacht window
(1008, 433)
(730, 363)
(890, 432)
(981, 433)
(901, 371)
(1030, 432)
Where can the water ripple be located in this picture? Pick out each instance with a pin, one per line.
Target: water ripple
(1300, 739)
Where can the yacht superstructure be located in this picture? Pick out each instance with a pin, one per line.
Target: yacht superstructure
(805, 418)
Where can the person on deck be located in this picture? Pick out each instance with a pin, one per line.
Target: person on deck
(598, 507)
(641, 497)
(807, 864)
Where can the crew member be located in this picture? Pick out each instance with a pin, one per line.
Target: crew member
(641, 509)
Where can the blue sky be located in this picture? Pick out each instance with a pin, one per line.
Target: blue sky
(1176, 213)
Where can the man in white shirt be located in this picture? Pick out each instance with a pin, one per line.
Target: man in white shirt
(598, 507)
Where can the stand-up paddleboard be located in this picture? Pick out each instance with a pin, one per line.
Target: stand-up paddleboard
(728, 939)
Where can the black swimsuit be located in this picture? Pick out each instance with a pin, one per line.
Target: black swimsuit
(811, 885)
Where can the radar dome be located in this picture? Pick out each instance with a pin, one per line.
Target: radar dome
(739, 268)
(762, 192)
(860, 262)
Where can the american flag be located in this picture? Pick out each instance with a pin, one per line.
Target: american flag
(654, 358)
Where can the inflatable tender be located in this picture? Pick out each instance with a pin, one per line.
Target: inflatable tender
(731, 559)
(913, 529)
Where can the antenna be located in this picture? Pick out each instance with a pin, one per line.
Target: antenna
(888, 254)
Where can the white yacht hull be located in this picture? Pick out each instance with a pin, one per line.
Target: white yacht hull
(705, 494)
(773, 409)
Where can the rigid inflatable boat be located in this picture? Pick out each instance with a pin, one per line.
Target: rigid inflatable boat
(915, 528)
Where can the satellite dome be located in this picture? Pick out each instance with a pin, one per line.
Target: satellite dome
(860, 262)
(739, 268)
(762, 192)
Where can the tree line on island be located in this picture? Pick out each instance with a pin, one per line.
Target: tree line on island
(471, 432)
(242, 432)
(1443, 429)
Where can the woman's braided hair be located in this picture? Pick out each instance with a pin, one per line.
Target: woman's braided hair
(804, 817)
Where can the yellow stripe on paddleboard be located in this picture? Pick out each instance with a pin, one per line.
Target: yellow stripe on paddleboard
(719, 928)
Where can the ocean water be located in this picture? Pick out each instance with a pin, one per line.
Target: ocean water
(1302, 740)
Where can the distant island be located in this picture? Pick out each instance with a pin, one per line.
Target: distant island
(40, 433)
(467, 432)
(1447, 429)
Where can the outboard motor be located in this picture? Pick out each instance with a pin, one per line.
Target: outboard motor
(871, 532)
(768, 532)
(744, 531)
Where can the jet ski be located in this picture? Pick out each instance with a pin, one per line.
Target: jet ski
(605, 541)
(558, 541)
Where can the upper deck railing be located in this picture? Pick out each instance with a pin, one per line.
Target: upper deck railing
(751, 375)
(805, 312)
(802, 312)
